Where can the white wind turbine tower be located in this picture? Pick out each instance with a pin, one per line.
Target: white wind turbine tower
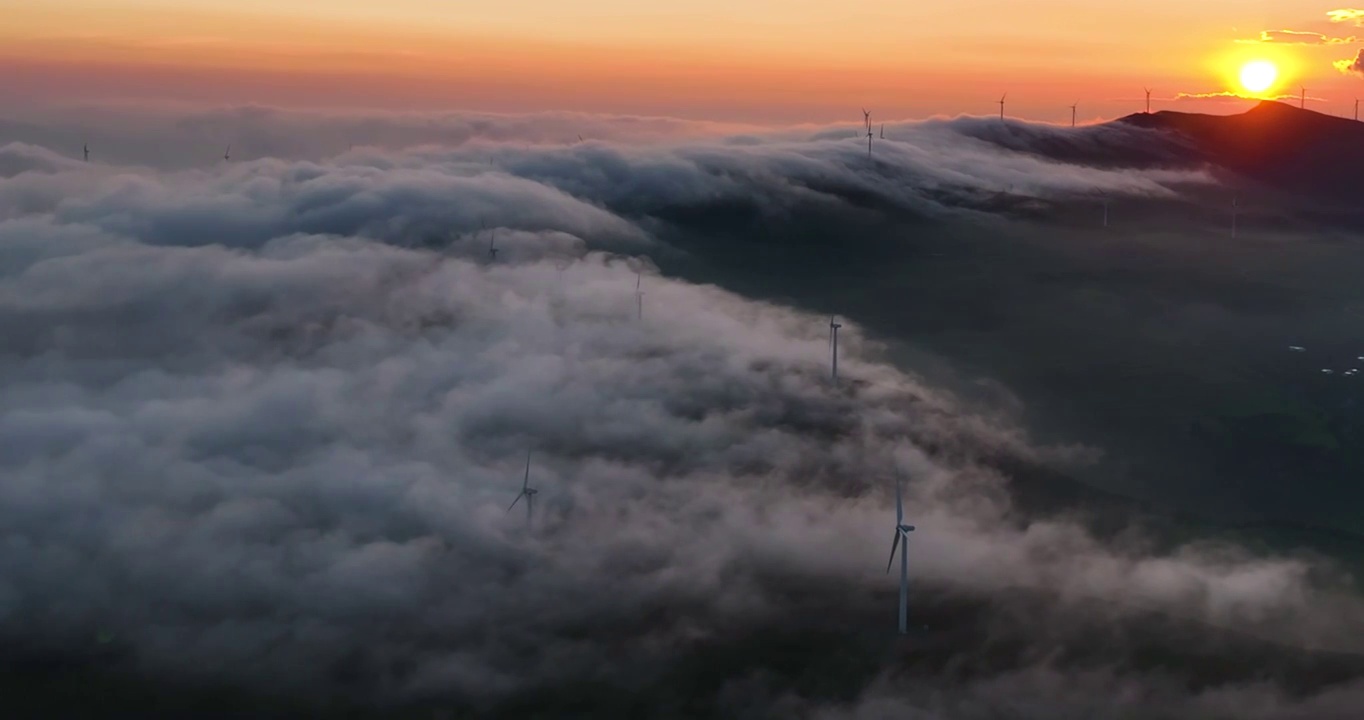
(1148, 100)
(833, 343)
(902, 531)
(1302, 98)
(1001, 105)
(85, 147)
(492, 244)
(1356, 109)
(1072, 112)
(527, 492)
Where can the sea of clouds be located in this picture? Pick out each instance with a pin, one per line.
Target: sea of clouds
(261, 421)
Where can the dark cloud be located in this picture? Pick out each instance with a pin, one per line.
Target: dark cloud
(261, 423)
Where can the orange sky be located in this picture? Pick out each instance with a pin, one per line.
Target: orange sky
(764, 60)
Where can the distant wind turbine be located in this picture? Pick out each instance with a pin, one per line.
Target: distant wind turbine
(1001, 105)
(492, 244)
(527, 492)
(1356, 109)
(227, 154)
(1072, 112)
(639, 299)
(902, 531)
(1302, 98)
(85, 147)
(833, 343)
(883, 131)
(1148, 100)
(866, 118)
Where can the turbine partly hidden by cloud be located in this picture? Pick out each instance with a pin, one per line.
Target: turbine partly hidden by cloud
(1353, 66)
(261, 423)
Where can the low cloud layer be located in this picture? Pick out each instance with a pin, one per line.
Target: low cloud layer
(261, 423)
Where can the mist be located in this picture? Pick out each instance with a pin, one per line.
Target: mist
(262, 420)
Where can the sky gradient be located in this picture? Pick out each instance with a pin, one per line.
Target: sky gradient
(746, 60)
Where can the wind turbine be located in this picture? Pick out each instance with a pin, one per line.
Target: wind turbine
(883, 131)
(1001, 105)
(639, 299)
(527, 492)
(833, 343)
(866, 118)
(901, 531)
(1072, 112)
(1302, 98)
(85, 147)
(1356, 109)
(1148, 100)
(227, 154)
(492, 247)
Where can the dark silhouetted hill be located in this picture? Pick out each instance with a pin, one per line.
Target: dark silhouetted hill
(1280, 146)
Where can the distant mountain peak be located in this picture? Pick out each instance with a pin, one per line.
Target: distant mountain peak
(1277, 144)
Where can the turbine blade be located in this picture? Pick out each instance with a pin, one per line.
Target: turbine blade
(517, 500)
(893, 546)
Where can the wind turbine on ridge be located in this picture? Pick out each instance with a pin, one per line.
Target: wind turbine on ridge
(1072, 112)
(1148, 100)
(527, 492)
(833, 343)
(1001, 105)
(901, 531)
(1302, 98)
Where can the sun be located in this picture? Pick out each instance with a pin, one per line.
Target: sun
(1258, 75)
